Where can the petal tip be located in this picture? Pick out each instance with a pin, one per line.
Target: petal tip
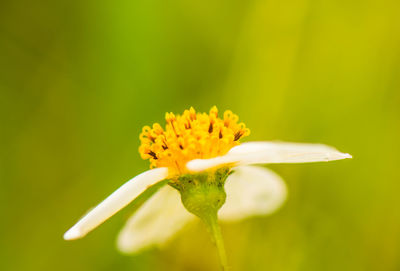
(124, 248)
(73, 234)
(341, 155)
(337, 156)
(347, 155)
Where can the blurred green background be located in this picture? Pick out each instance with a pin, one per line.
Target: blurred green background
(78, 80)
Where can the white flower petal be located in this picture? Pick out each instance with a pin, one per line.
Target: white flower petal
(284, 152)
(252, 191)
(115, 202)
(155, 222)
(204, 164)
(270, 152)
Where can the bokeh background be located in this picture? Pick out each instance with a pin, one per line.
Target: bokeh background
(78, 80)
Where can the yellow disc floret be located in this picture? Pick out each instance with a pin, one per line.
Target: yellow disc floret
(190, 136)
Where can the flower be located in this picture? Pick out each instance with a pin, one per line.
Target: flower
(199, 156)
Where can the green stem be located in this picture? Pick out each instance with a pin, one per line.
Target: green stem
(212, 222)
(203, 195)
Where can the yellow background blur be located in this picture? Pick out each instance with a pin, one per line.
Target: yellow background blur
(78, 80)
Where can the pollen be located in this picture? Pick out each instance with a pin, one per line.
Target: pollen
(190, 136)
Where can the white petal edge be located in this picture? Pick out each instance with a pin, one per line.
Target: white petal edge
(252, 191)
(115, 202)
(270, 152)
(155, 223)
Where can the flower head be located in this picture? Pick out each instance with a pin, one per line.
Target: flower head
(199, 156)
(190, 136)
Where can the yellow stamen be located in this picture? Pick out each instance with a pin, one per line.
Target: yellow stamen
(190, 136)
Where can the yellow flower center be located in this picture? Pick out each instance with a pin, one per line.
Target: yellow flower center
(190, 136)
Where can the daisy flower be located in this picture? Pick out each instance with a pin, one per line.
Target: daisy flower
(199, 157)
